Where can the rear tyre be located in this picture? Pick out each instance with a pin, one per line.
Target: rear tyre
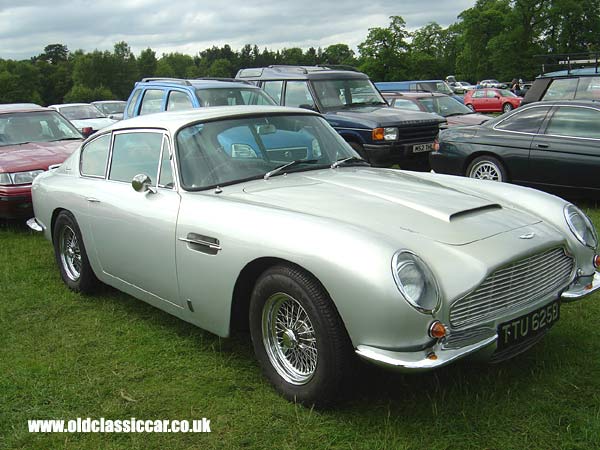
(507, 107)
(298, 336)
(71, 256)
(487, 168)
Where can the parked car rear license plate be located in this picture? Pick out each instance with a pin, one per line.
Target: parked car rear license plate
(422, 148)
(525, 327)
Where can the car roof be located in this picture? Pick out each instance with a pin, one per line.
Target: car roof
(281, 72)
(589, 103)
(174, 120)
(410, 94)
(198, 83)
(22, 107)
(591, 71)
(61, 105)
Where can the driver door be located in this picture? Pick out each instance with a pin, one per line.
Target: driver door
(134, 232)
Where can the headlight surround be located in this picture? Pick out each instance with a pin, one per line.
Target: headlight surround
(385, 134)
(581, 226)
(415, 281)
(26, 177)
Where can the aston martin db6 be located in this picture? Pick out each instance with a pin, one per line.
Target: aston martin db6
(264, 217)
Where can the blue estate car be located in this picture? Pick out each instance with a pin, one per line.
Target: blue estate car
(152, 95)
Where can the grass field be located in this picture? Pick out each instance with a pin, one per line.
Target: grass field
(65, 356)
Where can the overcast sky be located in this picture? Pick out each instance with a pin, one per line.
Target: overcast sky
(187, 26)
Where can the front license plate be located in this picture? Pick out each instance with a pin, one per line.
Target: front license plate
(419, 148)
(527, 326)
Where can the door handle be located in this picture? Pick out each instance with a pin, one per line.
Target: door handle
(92, 200)
(543, 145)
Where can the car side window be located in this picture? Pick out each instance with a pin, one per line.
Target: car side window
(273, 88)
(490, 94)
(131, 106)
(94, 157)
(588, 89)
(178, 101)
(561, 89)
(152, 101)
(135, 153)
(576, 122)
(297, 94)
(401, 103)
(165, 179)
(525, 121)
(478, 94)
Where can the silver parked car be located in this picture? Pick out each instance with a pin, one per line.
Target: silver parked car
(265, 217)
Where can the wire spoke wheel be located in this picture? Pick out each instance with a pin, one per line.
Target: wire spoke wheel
(289, 338)
(70, 253)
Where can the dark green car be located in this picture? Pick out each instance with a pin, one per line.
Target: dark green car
(549, 145)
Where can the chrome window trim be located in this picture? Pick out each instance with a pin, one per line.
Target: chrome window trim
(568, 136)
(108, 159)
(166, 145)
(517, 111)
(129, 131)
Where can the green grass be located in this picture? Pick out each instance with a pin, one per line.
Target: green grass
(64, 355)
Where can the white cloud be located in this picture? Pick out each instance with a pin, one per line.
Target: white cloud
(189, 26)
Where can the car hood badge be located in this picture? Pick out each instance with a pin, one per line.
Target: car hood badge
(527, 236)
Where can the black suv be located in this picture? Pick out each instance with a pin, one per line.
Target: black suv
(580, 80)
(355, 108)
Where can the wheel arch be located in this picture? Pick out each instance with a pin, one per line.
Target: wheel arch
(244, 284)
(55, 215)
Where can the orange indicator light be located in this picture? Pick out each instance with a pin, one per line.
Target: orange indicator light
(437, 330)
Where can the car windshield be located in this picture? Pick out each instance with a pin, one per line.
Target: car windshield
(233, 97)
(336, 94)
(506, 93)
(81, 112)
(111, 107)
(229, 151)
(42, 126)
(444, 106)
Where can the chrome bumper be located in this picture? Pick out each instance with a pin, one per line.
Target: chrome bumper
(424, 360)
(35, 225)
(581, 287)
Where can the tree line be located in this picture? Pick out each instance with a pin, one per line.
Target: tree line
(493, 39)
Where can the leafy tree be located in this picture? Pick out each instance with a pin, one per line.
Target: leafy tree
(55, 53)
(339, 54)
(147, 63)
(85, 94)
(384, 51)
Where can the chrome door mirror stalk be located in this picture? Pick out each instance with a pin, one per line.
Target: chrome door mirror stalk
(142, 183)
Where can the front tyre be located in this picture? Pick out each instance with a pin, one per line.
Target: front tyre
(298, 336)
(69, 250)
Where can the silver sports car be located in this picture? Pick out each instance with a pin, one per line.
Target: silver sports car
(263, 217)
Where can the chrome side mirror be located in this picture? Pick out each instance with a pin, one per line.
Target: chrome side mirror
(142, 183)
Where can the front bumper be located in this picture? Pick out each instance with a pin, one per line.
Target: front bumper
(15, 203)
(482, 341)
(396, 153)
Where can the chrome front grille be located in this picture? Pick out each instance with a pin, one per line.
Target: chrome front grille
(516, 285)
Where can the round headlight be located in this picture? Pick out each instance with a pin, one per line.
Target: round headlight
(415, 281)
(581, 226)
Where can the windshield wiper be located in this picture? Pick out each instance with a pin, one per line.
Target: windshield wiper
(295, 162)
(349, 159)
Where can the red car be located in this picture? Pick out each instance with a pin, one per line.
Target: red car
(31, 139)
(492, 100)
